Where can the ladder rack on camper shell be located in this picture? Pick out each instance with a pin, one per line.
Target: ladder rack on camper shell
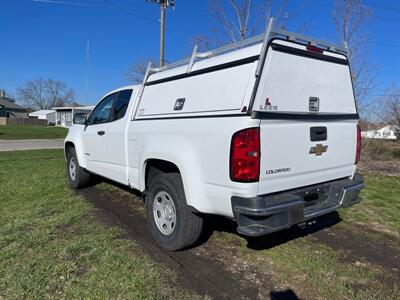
(270, 33)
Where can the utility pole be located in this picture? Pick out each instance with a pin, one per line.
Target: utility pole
(162, 32)
(163, 6)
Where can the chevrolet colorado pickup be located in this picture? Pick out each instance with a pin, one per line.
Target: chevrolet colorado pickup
(264, 131)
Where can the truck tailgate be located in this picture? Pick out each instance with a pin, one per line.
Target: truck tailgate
(289, 159)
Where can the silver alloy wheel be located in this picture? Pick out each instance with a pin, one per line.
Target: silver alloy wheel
(164, 213)
(72, 168)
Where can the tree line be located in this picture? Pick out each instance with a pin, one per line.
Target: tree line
(43, 94)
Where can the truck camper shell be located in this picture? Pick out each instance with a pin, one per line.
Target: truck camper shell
(222, 81)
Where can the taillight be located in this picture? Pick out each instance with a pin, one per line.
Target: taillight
(245, 155)
(358, 150)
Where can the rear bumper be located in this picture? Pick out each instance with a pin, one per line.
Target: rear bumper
(266, 214)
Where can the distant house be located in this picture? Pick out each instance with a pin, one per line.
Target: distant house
(65, 115)
(48, 115)
(386, 133)
(9, 109)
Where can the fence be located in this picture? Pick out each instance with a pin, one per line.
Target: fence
(22, 121)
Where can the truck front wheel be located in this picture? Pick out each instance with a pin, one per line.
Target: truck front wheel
(77, 176)
(173, 225)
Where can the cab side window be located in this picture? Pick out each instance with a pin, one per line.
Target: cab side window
(121, 104)
(103, 112)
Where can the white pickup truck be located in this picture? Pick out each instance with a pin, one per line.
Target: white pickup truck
(264, 132)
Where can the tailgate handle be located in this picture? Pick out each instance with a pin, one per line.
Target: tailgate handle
(319, 133)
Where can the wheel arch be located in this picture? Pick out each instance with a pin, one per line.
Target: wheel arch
(67, 146)
(188, 168)
(155, 166)
(75, 144)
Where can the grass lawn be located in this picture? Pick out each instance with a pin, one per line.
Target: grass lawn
(53, 246)
(380, 205)
(19, 132)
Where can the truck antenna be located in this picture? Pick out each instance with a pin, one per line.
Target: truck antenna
(87, 71)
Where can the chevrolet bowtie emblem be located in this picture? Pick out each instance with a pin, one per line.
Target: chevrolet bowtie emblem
(318, 149)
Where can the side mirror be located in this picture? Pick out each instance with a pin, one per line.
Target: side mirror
(79, 118)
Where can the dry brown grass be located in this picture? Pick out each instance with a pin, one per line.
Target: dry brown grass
(381, 156)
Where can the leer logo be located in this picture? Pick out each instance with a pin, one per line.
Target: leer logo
(318, 149)
(268, 106)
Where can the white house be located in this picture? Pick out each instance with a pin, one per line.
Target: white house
(49, 115)
(65, 115)
(386, 133)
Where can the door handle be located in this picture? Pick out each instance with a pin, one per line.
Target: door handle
(101, 132)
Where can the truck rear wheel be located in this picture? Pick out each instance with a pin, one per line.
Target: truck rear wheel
(77, 176)
(173, 225)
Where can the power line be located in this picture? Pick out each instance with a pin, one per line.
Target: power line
(128, 12)
(108, 2)
(385, 7)
(377, 43)
(373, 16)
(66, 3)
(386, 19)
(383, 44)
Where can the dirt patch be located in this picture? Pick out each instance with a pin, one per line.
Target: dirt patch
(206, 269)
(359, 243)
(360, 247)
(378, 228)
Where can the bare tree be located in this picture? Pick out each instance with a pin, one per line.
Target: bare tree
(235, 20)
(391, 109)
(136, 72)
(45, 93)
(351, 18)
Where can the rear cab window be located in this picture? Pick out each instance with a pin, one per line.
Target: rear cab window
(121, 104)
(111, 108)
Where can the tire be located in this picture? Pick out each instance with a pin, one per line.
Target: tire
(77, 176)
(166, 203)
